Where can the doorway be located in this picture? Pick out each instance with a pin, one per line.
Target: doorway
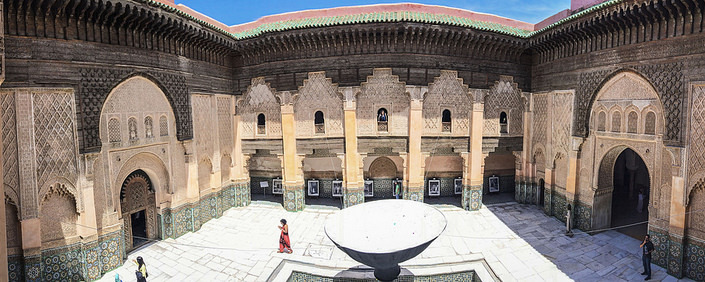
(630, 196)
(541, 192)
(139, 228)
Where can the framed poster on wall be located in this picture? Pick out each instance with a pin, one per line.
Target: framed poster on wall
(434, 187)
(277, 187)
(494, 184)
(337, 188)
(458, 186)
(369, 186)
(313, 188)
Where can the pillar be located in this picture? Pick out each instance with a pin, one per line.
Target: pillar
(676, 227)
(472, 188)
(31, 248)
(353, 183)
(572, 183)
(415, 161)
(241, 174)
(548, 185)
(293, 181)
(192, 191)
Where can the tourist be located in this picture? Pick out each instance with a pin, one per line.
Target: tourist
(647, 247)
(640, 204)
(141, 271)
(284, 243)
(568, 218)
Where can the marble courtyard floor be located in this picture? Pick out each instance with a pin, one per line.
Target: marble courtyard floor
(518, 243)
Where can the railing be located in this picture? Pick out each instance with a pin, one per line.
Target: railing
(321, 128)
(446, 127)
(503, 128)
(261, 129)
(382, 126)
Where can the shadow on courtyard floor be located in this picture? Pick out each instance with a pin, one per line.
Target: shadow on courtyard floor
(606, 256)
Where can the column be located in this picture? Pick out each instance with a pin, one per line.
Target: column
(548, 185)
(293, 181)
(572, 181)
(192, 191)
(31, 248)
(353, 184)
(241, 174)
(472, 189)
(676, 227)
(415, 161)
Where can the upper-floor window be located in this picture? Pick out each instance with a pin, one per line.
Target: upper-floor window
(114, 130)
(148, 127)
(632, 121)
(601, 121)
(163, 126)
(503, 122)
(382, 120)
(446, 125)
(319, 122)
(616, 122)
(650, 123)
(132, 126)
(261, 124)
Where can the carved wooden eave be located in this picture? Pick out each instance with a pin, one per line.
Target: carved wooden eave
(118, 22)
(380, 39)
(618, 23)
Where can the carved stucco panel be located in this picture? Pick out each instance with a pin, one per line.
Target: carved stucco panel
(696, 148)
(540, 118)
(9, 147)
(225, 124)
(259, 99)
(204, 125)
(382, 90)
(504, 96)
(447, 92)
(562, 111)
(318, 93)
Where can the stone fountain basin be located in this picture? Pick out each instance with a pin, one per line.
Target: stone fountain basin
(384, 233)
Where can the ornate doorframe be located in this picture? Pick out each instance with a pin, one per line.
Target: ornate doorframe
(137, 194)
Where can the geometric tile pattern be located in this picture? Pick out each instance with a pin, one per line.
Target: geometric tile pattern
(694, 259)
(472, 197)
(583, 216)
(468, 276)
(14, 268)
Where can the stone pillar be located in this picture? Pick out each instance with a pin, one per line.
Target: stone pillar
(31, 248)
(676, 227)
(241, 173)
(572, 180)
(414, 162)
(192, 190)
(293, 181)
(472, 189)
(353, 183)
(548, 185)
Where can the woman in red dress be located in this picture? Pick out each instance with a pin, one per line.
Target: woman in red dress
(284, 244)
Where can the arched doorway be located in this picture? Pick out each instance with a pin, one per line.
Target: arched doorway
(541, 192)
(380, 177)
(622, 197)
(138, 210)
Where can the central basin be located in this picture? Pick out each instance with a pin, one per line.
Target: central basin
(382, 234)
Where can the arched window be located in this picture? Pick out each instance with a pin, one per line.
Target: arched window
(616, 122)
(650, 123)
(503, 122)
(114, 130)
(319, 122)
(148, 127)
(132, 126)
(382, 120)
(632, 121)
(446, 121)
(261, 124)
(163, 126)
(601, 121)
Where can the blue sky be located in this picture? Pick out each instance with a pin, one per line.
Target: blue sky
(232, 12)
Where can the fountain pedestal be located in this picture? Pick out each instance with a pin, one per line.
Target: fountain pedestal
(382, 234)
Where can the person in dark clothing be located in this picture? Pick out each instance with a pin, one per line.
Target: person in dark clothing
(647, 247)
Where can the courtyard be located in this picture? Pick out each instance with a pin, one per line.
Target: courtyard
(517, 242)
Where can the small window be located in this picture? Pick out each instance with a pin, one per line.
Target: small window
(616, 122)
(132, 126)
(382, 120)
(601, 121)
(503, 122)
(632, 121)
(148, 127)
(650, 123)
(163, 126)
(446, 121)
(261, 124)
(319, 122)
(114, 130)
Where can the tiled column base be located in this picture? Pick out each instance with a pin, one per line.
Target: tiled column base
(547, 200)
(354, 197)
(294, 198)
(472, 197)
(694, 259)
(15, 268)
(414, 194)
(33, 268)
(675, 256)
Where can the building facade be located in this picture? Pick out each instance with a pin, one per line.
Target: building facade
(125, 121)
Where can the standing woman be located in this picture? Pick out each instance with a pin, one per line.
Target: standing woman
(284, 243)
(141, 272)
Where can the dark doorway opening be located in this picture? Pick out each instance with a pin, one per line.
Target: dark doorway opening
(630, 196)
(139, 228)
(542, 184)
